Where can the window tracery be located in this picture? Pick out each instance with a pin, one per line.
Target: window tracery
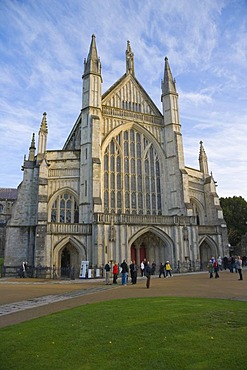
(131, 175)
(65, 209)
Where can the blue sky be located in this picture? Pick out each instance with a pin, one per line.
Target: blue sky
(43, 45)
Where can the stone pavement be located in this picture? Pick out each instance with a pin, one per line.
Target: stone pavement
(26, 299)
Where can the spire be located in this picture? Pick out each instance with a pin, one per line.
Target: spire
(203, 161)
(92, 63)
(43, 131)
(168, 84)
(129, 60)
(43, 126)
(32, 149)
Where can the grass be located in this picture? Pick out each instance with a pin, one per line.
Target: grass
(145, 333)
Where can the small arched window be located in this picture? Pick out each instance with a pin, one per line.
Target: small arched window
(65, 209)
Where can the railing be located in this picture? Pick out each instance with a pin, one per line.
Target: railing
(133, 115)
(61, 228)
(107, 218)
(210, 230)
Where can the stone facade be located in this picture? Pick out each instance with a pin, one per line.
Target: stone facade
(119, 188)
(7, 199)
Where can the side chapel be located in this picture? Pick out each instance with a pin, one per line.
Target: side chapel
(119, 188)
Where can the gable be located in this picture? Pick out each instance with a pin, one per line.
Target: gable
(128, 94)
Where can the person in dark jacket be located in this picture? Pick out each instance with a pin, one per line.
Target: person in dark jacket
(124, 272)
(133, 272)
(147, 273)
(162, 270)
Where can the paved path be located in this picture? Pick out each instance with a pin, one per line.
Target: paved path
(26, 299)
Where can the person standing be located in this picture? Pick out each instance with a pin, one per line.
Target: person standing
(216, 269)
(133, 272)
(239, 265)
(210, 268)
(125, 271)
(115, 272)
(107, 273)
(142, 268)
(147, 273)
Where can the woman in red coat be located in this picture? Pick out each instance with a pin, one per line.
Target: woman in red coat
(115, 273)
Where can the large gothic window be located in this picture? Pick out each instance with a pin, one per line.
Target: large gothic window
(65, 209)
(131, 175)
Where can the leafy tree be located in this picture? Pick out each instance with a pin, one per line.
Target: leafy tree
(235, 214)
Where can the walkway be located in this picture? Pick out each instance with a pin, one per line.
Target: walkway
(26, 299)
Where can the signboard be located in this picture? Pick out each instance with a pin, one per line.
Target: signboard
(84, 269)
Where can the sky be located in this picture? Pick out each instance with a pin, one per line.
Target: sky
(42, 49)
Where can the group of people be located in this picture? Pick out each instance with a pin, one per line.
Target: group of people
(124, 269)
(165, 270)
(215, 265)
(23, 269)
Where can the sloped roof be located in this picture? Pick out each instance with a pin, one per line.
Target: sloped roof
(116, 92)
(8, 193)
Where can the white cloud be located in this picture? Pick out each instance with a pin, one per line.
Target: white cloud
(43, 45)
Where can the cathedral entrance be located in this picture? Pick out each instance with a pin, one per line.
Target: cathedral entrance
(152, 247)
(65, 262)
(206, 253)
(69, 263)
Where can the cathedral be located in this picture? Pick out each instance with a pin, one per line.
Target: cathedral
(119, 188)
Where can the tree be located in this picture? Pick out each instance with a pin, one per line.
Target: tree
(235, 214)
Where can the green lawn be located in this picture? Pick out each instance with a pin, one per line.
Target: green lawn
(145, 333)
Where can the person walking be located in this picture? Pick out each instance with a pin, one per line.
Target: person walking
(239, 265)
(162, 270)
(168, 269)
(124, 272)
(115, 273)
(147, 273)
(107, 273)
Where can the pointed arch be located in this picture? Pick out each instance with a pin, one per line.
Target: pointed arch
(197, 210)
(207, 249)
(161, 234)
(132, 171)
(63, 206)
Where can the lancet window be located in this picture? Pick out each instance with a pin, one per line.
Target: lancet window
(65, 209)
(131, 175)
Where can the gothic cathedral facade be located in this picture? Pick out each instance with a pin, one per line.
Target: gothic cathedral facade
(119, 188)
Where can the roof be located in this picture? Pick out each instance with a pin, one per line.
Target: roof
(8, 193)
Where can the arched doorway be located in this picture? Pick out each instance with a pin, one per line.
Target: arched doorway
(153, 245)
(69, 260)
(65, 262)
(207, 251)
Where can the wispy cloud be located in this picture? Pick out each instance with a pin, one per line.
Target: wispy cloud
(43, 44)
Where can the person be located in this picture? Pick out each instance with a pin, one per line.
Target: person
(239, 265)
(147, 273)
(22, 270)
(115, 272)
(133, 272)
(216, 269)
(142, 268)
(153, 268)
(219, 260)
(125, 271)
(107, 273)
(162, 270)
(168, 269)
(210, 268)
